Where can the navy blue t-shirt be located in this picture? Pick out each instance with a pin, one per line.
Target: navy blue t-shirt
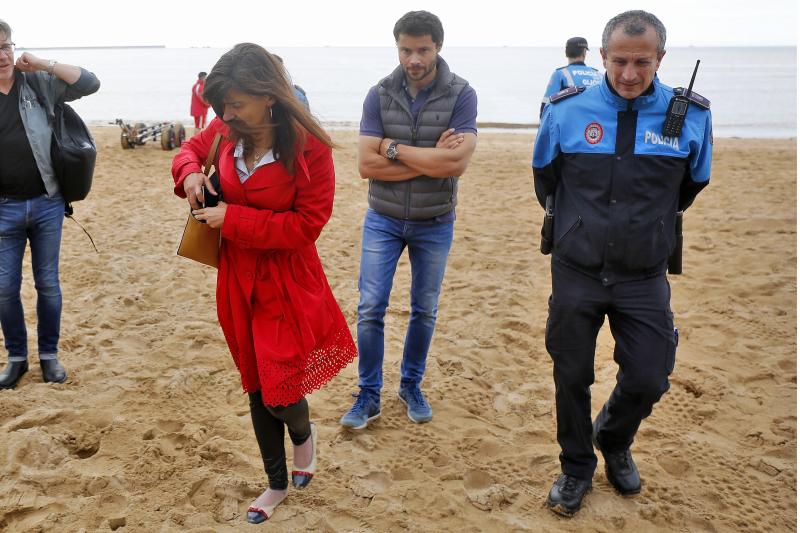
(463, 120)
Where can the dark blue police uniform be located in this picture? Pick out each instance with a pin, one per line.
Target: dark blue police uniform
(617, 184)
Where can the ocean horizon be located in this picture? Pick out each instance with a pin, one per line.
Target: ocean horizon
(151, 83)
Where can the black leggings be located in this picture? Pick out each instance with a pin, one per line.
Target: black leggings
(268, 423)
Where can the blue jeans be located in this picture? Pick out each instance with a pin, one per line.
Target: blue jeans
(383, 241)
(38, 220)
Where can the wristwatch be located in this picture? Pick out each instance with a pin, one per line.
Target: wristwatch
(51, 65)
(391, 150)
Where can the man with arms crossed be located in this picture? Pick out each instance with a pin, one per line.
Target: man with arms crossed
(418, 132)
(617, 183)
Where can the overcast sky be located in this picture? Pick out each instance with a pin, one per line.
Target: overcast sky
(176, 23)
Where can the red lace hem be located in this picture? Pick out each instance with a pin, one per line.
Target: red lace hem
(288, 384)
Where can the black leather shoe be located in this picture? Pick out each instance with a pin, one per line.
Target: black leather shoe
(621, 471)
(567, 494)
(12, 374)
(52, 371)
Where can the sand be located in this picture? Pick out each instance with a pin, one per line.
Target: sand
(152, 431)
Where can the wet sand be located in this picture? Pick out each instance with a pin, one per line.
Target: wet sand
(152, 431)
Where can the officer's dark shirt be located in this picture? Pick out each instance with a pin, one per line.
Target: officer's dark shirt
(19, 175)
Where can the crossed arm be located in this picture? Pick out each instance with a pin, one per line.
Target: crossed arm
(449, 157)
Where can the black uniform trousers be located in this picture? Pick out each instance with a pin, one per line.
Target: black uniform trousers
(645, 341)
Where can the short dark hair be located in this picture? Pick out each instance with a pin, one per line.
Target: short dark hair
(202, 75)
(635, 23)
(419, 24)
(5, 29)
(576, 51)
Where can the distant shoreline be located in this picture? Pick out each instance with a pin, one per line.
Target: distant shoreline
(509, 125)
(89, 47)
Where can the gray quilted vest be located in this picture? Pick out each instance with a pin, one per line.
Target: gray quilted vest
(422, 197)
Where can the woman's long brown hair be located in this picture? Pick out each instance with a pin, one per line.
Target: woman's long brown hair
(251, 69)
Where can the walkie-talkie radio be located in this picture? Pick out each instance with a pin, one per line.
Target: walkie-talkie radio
(676, 112)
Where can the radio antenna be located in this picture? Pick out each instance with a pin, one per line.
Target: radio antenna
(689, 90)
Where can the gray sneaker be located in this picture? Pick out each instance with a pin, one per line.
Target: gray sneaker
(366, 408)
(417, 407)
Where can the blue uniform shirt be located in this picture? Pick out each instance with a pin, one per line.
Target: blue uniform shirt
(617, 181)
(573, 75)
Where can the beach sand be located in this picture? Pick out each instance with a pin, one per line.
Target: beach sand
(152, 431)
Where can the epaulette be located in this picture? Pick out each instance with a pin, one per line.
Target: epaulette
(696, 99)
(566, 93)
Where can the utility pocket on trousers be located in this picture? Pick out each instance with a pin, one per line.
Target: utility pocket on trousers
(672, 351)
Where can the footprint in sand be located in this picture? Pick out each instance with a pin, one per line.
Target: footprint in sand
(674, 466)
(36, 449)
(484, 494)
(370, 485)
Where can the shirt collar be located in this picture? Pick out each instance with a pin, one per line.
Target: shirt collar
(425, 90)
(238, 152)
(241, 167)
(646, 99)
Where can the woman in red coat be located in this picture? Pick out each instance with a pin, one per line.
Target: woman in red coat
(282, 324)
(199, 107)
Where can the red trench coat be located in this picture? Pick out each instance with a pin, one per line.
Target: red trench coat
(281, 321)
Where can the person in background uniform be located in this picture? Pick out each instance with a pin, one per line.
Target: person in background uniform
(617, 183)
(576, 74)
(418, 132)
(298, 91)
(282, 324)
(199, 108)
(31, 206)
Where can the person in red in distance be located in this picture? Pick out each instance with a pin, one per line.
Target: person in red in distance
(199, 108)
(281, 321)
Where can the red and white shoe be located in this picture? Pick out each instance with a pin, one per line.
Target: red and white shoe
(301, 477)
(257, 515)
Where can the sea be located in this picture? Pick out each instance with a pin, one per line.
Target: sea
(753, 91)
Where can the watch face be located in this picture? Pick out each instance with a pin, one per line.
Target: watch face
(391, 151)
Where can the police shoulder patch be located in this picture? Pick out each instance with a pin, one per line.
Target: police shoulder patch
(698, 100)
(563, 94)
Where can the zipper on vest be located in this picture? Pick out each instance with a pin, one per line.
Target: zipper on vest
(407, 213)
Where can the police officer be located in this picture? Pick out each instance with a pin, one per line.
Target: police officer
(617, 183)
(576, 74)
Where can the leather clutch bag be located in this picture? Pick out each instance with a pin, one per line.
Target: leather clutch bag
(200, 242)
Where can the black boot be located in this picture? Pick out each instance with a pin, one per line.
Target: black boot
(621, 471)
(567, 494)
(52, 371)
(13, 373)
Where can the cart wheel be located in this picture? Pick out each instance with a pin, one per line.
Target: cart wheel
(180, 134)
(124, 139)
(138, 128)
(167, 139)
